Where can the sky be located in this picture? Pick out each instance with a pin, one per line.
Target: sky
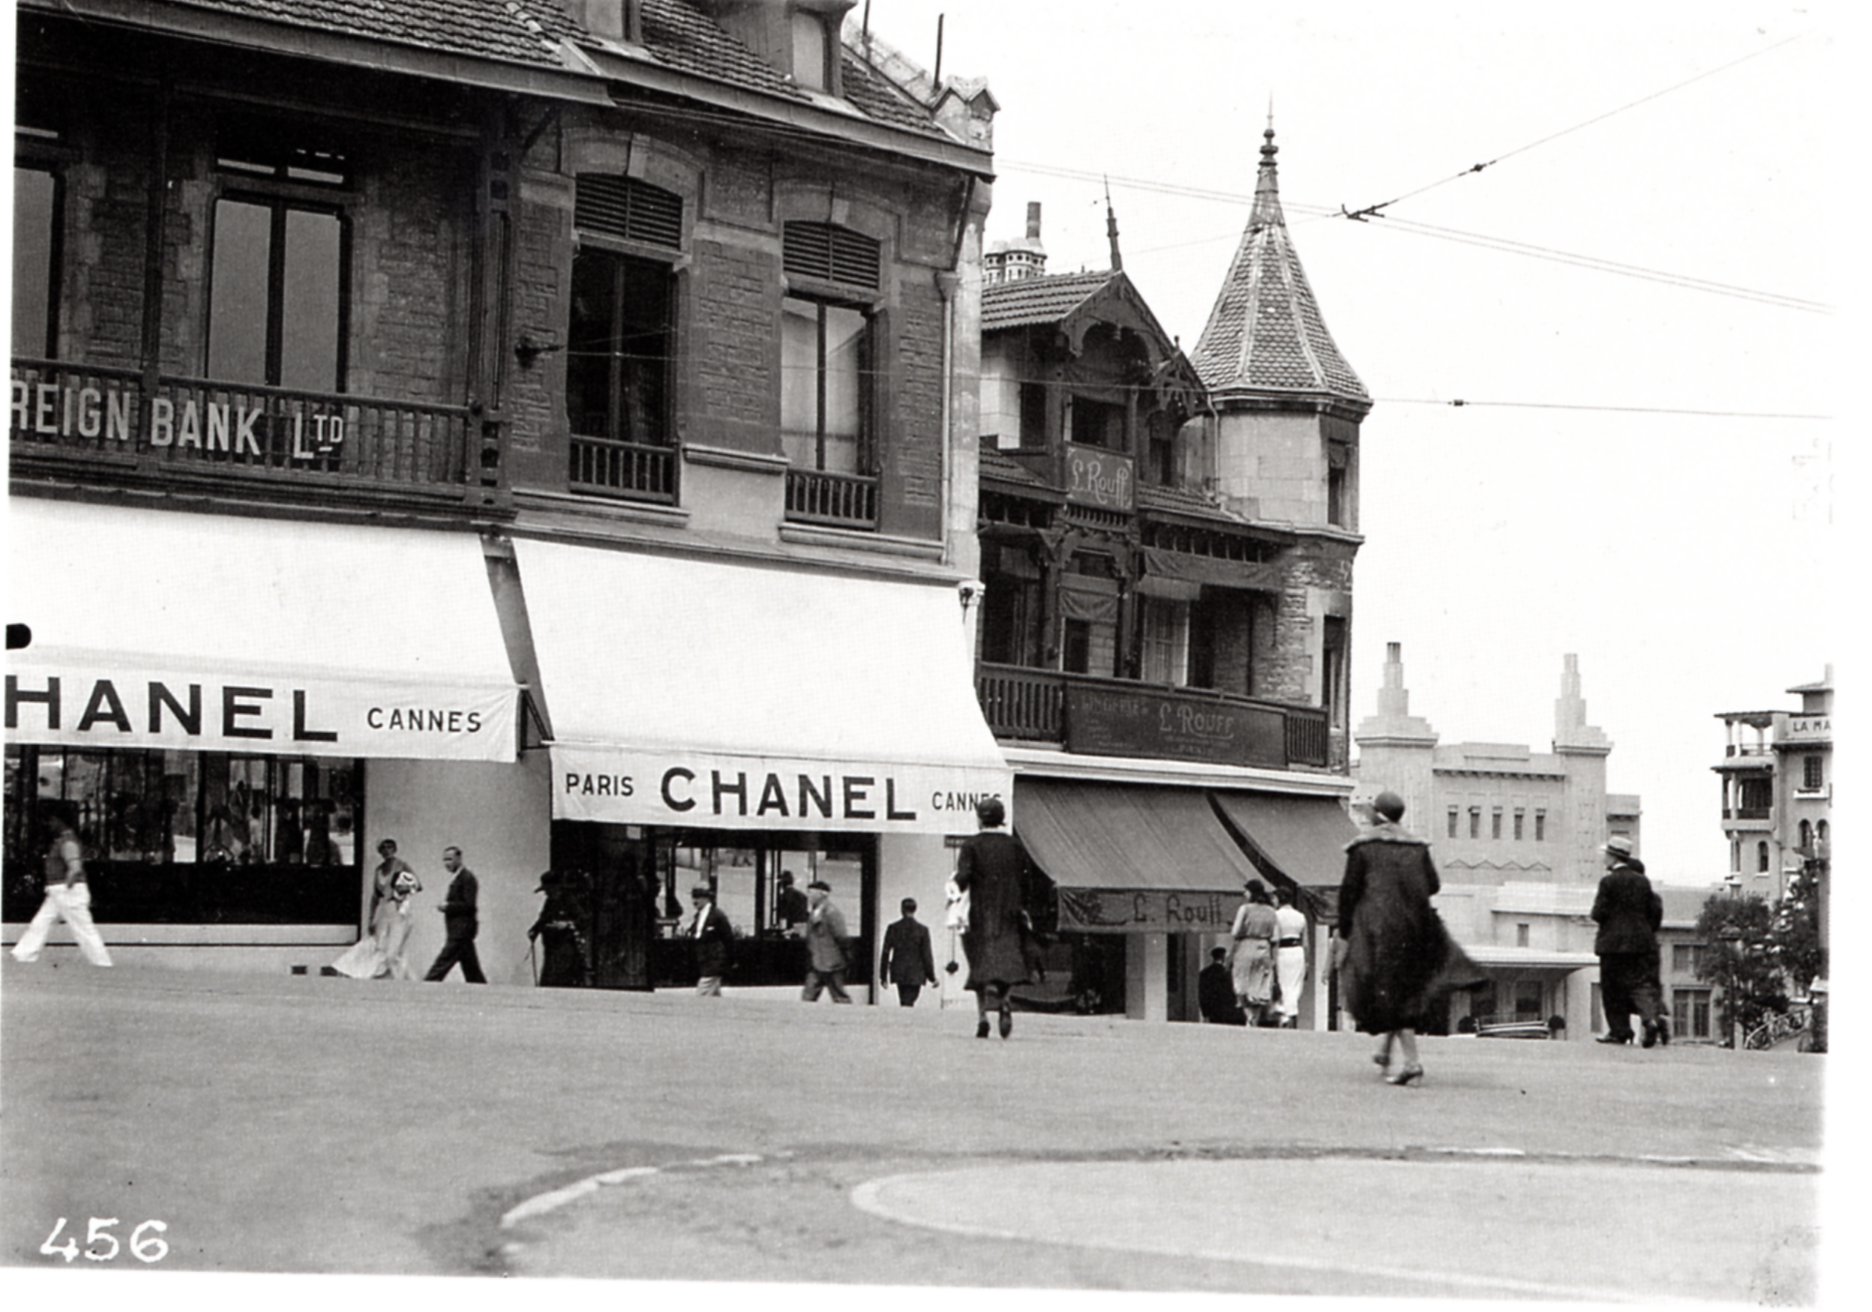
(1685, 558)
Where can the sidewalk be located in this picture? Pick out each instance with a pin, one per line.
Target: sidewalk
(308, 1124)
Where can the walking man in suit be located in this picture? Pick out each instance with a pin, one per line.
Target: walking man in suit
(712, 934)
(460, 920)
(908, 961)
(825, 944)
(1626, 944)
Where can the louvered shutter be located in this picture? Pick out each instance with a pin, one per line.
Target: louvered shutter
(831, 254)
(627, 208)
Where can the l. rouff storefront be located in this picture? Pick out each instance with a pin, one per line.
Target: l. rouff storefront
(234, 711)
(725, 722)
(1147, 859)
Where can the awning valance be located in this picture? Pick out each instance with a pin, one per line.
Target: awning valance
(163, 629)
(1130, 858)
(1298, 840)
(745, 696)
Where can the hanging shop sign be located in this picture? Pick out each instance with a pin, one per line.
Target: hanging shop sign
(100, 707)
(1095, 477)
(1146, 911)
(709, 791)
(1112, 722)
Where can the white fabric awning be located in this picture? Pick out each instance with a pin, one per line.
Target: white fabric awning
(747, 696)
(168, 629)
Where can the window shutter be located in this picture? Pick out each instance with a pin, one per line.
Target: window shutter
(627, 208)
(831, 254)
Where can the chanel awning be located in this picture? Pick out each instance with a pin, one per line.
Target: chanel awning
(164, 629)
(1296, 841)
(1130, 858)
(723, 694)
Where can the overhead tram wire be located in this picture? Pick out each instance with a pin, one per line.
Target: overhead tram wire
(1463, 403)
(1377, 211)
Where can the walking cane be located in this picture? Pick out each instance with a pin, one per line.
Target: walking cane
(532, 959)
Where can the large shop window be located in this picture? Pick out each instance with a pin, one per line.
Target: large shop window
(177, 837)
(277, 304)
(36, 226)
(632, 900)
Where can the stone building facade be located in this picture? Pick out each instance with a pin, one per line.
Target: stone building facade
(488, 424)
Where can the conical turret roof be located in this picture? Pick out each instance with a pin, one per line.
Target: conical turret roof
(1265, 335)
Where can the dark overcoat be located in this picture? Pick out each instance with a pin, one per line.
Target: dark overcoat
(989, 870)
(1623, 910)
(1399, 957)
(908, 957)
(711, 945)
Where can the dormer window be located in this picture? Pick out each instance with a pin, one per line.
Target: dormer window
(812, 51)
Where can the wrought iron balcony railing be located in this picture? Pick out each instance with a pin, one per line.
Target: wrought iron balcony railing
(1105, 716)
(74, 413)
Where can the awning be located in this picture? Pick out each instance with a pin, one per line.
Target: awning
(1186, 567)
(1496, 956)
(1298, 841)
(748, 696)
(168, 629)
(1131, 859)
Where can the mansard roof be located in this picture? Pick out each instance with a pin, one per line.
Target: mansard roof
(1266, 336)
(542, 35)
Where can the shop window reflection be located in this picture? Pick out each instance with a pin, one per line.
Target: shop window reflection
(157, 826)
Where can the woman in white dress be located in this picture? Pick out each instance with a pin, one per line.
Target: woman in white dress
(382, 953)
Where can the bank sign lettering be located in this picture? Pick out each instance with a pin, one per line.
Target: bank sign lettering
(623, 786)
(100, 708)
(56, 410)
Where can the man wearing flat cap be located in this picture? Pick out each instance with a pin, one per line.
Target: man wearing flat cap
(1626, 945)
(825, 945)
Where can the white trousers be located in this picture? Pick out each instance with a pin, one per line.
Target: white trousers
(1290, 969)
(72, 904)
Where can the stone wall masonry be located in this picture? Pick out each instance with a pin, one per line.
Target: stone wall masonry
(542, 234)
(1289, 668)
(411, 265)
(913, 438)
(735, 381)
(106, 203)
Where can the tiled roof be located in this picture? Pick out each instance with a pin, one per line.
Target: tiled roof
(1181, 501)
(1042, 300)
(676, 33)
(1266, 333)
(488, 29)
(997, 466)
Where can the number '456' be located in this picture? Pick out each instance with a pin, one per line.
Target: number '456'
(146, 1241)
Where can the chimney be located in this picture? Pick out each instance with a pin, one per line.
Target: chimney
(1033, 220)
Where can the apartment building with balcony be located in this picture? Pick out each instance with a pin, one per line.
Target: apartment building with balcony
(1166, 552)
(540, 427)
(1776, 775)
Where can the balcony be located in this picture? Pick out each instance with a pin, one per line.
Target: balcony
(81, 420)
(632, 471)
(838, 500)
(1120, 717)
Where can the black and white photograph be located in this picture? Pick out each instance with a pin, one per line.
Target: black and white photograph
(953, 651)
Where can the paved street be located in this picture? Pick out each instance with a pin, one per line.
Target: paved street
(303, 1124)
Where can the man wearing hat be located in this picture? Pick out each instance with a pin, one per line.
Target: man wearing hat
(712, 934)
(1626, 945)
(825, 945)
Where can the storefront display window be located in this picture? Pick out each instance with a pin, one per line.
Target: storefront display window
(646, 873)
(190, 837)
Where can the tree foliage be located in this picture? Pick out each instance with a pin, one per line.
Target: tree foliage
(1794, 931)
(1739, 959)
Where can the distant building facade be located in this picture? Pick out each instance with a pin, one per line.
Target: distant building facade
(1777, 789)
(1498, 813)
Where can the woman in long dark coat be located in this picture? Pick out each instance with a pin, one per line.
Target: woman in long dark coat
(564, 966)
(1397, 959)
(989, 871)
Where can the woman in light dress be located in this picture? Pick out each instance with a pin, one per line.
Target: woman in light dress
(383, 953)
(1252, 960)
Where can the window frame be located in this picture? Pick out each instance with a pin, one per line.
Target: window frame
(867, 454)
(32, 155)
(622, 254)
(279, 201)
